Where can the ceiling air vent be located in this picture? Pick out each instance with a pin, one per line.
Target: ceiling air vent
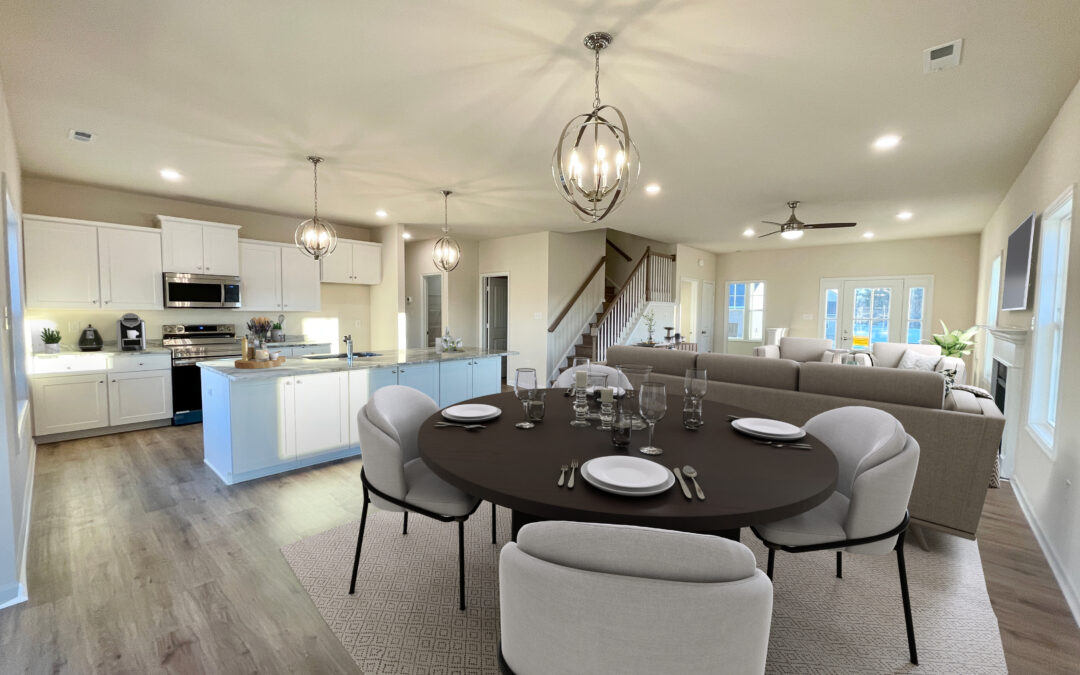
(81, 136)
(942, 57)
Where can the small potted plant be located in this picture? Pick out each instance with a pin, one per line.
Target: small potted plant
(650, 325)
(276, 332)
(51, 338)
(954, 343)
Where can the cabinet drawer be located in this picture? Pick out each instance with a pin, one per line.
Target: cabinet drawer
(134, 362)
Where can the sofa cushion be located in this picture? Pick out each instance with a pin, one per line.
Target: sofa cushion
(888, 354)
(804, 349)
(736, 369)
(913, 360)
(666, 361)
(888, 385)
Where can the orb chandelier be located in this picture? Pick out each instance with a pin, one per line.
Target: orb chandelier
(447, 253)
(595, 161)
(316, 237)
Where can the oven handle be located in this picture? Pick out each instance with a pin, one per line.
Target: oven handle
(191, 362)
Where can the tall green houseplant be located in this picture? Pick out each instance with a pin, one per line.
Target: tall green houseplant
(954, 343)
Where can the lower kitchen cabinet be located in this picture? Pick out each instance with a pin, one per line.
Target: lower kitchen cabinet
(464, 379)
(320, 413)
(65, 403)
(421, 376)
(140, 396)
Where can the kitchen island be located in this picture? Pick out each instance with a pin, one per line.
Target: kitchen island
(259, 422)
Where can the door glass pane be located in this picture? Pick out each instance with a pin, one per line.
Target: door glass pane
(914, 332)
(830, 330)
(871, 317)
(915, 303)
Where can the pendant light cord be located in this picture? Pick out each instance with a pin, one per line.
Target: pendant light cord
(446, 221)
(596, 82)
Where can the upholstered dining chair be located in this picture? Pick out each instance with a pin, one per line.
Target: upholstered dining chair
(395, 478)
(868, 511)
(595, 598)
(614, 377)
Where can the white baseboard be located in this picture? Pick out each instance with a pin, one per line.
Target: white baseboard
(1067, 588)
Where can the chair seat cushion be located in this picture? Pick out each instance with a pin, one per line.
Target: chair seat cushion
(430, 492)
(820, 525)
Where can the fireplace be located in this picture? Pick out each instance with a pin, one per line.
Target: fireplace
(1010, 358)
(1001, 376)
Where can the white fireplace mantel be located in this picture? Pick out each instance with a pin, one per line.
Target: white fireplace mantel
(1010, 348)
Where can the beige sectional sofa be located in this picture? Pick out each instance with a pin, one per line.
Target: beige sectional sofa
(958, 435)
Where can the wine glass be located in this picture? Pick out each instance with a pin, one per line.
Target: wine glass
(652, 401)
(525, 390)
(695, 383)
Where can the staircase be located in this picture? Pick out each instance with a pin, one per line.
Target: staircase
(585, 347)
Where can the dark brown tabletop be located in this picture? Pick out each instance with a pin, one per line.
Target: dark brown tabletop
(745, 483)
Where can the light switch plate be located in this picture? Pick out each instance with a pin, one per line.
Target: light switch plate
(538, 315)
(807, 317)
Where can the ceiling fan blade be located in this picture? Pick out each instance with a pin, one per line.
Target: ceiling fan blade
(767, 234)
(770, 222)
(822, 226)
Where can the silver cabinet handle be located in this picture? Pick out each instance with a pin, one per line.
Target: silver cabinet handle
(101, 381)
(114, 380)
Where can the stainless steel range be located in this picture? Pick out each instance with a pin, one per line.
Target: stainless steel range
(189, 344)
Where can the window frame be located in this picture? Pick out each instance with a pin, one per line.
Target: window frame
(745, 310)
(910, 281)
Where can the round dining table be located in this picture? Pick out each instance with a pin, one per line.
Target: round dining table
(744, 482)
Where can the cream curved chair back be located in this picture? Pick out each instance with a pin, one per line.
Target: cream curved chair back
(389, 425)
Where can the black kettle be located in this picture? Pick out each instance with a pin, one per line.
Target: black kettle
(90, 339)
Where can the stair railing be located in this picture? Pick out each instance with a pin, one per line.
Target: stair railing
(651, 280)
(574, 320)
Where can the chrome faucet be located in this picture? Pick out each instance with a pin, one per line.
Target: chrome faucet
(348, 348)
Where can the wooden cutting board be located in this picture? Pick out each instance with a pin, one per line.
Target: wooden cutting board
(241, 363)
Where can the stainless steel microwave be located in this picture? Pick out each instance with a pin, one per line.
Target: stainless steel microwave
(201, 290)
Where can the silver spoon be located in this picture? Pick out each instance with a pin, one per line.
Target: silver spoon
(691, 473)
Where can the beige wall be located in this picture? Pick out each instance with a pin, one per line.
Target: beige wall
(388, 297)
(418, 263)
(1048, 485)
(525, 259)
(619, 268)
(793, 276)
(460, 292)
(570, 259)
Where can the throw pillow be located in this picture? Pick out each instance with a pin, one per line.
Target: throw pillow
(913, 360)
(833, 356)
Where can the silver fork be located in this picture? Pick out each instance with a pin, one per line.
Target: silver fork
(793, 446)
(573, 467)
(439, 425)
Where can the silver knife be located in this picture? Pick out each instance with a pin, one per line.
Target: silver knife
(685, 490)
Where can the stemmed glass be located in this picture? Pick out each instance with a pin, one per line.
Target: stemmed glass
(652, 401)
(695, 384)
(525, 390)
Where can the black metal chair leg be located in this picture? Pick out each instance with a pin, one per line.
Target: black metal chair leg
(405, 524)
(839, 566)
(359, 543)
(772, 558)
(907, 600)
(493, 528)
(461, 561)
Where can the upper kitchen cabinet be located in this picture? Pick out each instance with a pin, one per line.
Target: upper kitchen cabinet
(277, 277)
(353, 262)
(299, 281)
(199, 247)
(76, 264)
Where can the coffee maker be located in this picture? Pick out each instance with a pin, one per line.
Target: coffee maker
(131, 333)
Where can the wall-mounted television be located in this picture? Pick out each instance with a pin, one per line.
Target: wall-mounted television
(1015, 288)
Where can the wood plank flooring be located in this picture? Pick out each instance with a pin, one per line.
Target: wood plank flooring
(142, 561)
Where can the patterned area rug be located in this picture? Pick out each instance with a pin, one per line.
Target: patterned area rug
(404, 616)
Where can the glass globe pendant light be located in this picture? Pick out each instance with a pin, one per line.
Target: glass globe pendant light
(316, 237)
(595, 162)
(447, 253)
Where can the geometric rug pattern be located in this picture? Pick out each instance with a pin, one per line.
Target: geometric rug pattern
(404, 617)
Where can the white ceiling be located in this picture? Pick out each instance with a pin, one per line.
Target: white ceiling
(735, 106)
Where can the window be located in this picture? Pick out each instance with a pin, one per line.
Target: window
(993, 301)
(914, 325)
(858, 312)
(1049, 320)
(872, 309)
(832, 299)
(746, 310)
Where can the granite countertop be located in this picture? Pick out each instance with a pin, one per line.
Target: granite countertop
(307, 366)
(300, 341)
(107, 349)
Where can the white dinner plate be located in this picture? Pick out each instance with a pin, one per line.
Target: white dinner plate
(628, 473)
(773, 430)
(471, 412)
(589, 478)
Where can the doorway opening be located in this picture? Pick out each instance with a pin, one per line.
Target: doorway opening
(431, 309)
(495, 295)
(857, 312)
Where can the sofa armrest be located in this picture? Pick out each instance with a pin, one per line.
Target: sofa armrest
(768, 351)
(950, 363)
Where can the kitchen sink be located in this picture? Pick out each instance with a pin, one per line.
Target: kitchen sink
(341, 356)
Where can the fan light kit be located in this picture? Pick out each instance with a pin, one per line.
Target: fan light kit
(595, 161)
(170, 174)
(793, 228)
(447, 253)
(904, 215)
(315, 236)
(887, 142)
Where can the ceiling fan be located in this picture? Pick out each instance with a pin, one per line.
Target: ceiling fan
(792, 228)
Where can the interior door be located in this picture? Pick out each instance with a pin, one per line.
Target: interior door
(706, 315)
(870, 312)
(495, 311)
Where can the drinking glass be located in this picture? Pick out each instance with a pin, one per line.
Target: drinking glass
(621, 427)
(536, 406)
(692, 418)
(652, 403)
(635, 375)
(525, 390)
(695, 384)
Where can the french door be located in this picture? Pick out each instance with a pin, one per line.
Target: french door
(859, 312)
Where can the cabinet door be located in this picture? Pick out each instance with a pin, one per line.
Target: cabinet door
(337, 268)
(260, 277)
(130, 265)
(367, 263)
(454, 382)
(69, 403)
(61, 265)
(321, 411)
(299, 281)
(381, 377)
(221, 250)
(140, 396)
(487, 376)
(422, 376)
(182, 247)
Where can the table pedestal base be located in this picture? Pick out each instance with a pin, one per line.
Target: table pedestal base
(519, 520)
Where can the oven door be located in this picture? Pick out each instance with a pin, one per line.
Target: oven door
(187, 390)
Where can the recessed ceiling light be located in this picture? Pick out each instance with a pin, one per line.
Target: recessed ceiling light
(748, 232)
(652, 188)
(887, 142)
(171, 174)
(381, 214)
(792, 234)
(904, 215)
(868, 235)
(406, 235)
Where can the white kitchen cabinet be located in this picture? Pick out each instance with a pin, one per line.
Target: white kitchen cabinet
(320, 413)
(462, 379)
(129, 260)
(139, 396)
(61, 263)
(199, 247)
(299, 281)
(421, 376)
(64, 403)
(260, 277)
(353, 262)
(381, 377)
